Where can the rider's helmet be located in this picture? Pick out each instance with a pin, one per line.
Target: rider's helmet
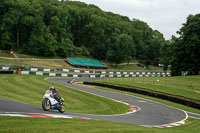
(52, 88)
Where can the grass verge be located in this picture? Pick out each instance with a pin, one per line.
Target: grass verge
(180, 106)
(188, 86)
(50, 125)
(31, 88)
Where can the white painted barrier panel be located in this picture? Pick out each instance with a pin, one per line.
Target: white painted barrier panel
(126, 75)
(52, 74)
(118, 72)
(158, 73)
(140, 75)
(149, 73)
(103, 72)
(24, 72)
(75, 76)
(46, 70)
(64, 75)
(119, 75)
(34, 69)
(124, 72)
(137, 73)
(143, 73)
(87, 72)
(111, 76)
(110, 72)
(5, 68)
(154, 73)
(65, 70)
(131, 73)
(102, 76)
(39, 73)
(77, 71)
(92, 76)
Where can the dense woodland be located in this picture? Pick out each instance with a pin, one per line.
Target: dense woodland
(69, 28)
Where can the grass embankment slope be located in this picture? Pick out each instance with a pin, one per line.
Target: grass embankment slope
(188, 86)
(30, 89)
(58, 62)
(50, 125)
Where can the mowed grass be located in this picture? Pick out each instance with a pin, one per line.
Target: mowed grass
(187, 86)
(51, 125)
(31, 88)
(172, 104)
(6, 54)
(60, 63)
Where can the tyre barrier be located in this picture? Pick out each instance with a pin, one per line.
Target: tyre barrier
(83, 75)
(6, 72)
(51, 74)
(169, 97)
(103, 73)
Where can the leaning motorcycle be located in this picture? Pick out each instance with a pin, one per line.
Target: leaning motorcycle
(51, 103)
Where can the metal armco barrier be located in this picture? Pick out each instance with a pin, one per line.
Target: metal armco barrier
(6, 72)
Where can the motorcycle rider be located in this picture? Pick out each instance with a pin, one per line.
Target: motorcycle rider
(55, 93)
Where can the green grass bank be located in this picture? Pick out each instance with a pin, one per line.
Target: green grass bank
(186, 86)
(30, 89)
(50, 125)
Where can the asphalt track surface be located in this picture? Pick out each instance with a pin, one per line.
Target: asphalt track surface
(148, 113)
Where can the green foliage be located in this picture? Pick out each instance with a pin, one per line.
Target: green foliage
(122, 49)
(183, 53)
(66, 48)
(70, 28)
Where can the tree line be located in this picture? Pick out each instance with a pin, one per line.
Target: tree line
(70, 28)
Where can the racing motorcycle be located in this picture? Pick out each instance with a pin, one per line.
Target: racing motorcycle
(51, 103)
(71, 81)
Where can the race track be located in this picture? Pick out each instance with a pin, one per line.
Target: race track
(148, 113)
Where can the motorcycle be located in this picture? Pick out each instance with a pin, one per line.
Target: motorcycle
(51, 103)
(71, 81)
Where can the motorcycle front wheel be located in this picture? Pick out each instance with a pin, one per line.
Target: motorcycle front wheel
(46, 104)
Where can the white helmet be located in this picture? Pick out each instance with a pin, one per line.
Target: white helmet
(51, 88)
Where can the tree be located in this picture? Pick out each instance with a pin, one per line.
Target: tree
(186, 49)
(123, 49)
